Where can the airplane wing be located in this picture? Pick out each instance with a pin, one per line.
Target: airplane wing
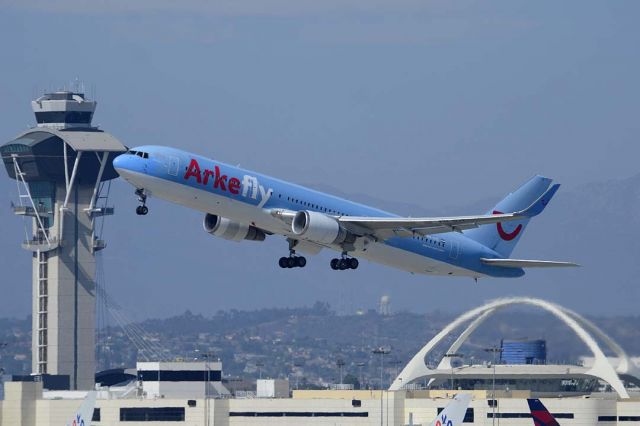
(521, 263)
(85, 413)
(386, 227)
(453, 413)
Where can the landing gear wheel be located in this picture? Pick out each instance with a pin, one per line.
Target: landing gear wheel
(142, 197)
(353, 263)
(142, 210)
(344, 263)
(283, 262)
(291, 262)
(301, 262)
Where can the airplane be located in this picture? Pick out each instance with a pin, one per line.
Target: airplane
(541, 416)
(244, 205)
(453, 413)
(85, 413)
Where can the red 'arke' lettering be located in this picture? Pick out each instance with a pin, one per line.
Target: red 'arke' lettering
(234, 186)
(223, 182)
(205, 178)
(193, 170)
(220, 180)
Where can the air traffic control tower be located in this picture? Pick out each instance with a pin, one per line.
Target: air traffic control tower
(61, 167)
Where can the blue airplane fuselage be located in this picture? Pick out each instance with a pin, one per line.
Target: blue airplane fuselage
(251, 198)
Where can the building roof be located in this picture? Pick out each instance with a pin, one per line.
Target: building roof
(78, 140)
(41, 152)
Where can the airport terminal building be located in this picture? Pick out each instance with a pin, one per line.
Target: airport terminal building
(26, 405)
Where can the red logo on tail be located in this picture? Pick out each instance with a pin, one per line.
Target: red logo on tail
(507, 236)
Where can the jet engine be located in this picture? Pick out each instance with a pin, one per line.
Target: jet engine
(230, 229)
(319, 228)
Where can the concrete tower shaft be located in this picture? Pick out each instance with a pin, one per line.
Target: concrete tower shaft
(60, 167)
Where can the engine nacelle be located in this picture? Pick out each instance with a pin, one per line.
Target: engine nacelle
(318, 227)
(230, 229)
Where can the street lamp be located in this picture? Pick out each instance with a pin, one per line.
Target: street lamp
(382, 351)
(451, 356)
(494, 350)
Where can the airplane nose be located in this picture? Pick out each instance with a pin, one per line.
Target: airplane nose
(119, 163)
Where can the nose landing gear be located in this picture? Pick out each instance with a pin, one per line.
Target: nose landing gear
(142, 197)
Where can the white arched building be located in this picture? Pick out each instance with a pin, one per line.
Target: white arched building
(601, 369)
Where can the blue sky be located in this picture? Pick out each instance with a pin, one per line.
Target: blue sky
(435, 103)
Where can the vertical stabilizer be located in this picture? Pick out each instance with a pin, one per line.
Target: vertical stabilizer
(85, 413)
(453, 413)
(503, 237)
(541, 416)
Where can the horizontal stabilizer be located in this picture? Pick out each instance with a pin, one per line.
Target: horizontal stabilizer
(521, 263)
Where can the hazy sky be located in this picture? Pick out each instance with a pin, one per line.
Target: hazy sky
(434, 103)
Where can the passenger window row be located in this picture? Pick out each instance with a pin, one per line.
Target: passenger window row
(314, 206)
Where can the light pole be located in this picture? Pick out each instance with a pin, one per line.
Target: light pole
(494, 350)
(259, 364)
(396, 363)
(207, 378)
(340, 364)
(382, 352)
(360, 365)
(298, 366)
(451, 356)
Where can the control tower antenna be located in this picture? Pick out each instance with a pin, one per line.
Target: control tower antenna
(60, 166)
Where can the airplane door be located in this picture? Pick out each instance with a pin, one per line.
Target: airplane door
(455, 250)
(174, 166)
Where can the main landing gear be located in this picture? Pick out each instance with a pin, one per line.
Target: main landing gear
(292, 261)
(344, 263)
(142, 210)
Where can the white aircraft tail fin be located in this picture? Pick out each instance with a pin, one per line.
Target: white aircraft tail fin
(85, 413)
(453, 413)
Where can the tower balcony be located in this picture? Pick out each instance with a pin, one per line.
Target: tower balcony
(40, 244)
(30, 211)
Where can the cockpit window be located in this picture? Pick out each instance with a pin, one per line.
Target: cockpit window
(139, 153)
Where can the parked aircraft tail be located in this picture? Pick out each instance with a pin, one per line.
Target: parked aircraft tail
(503, 237)
(541, 416)
(453, 413)
(85, 413)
